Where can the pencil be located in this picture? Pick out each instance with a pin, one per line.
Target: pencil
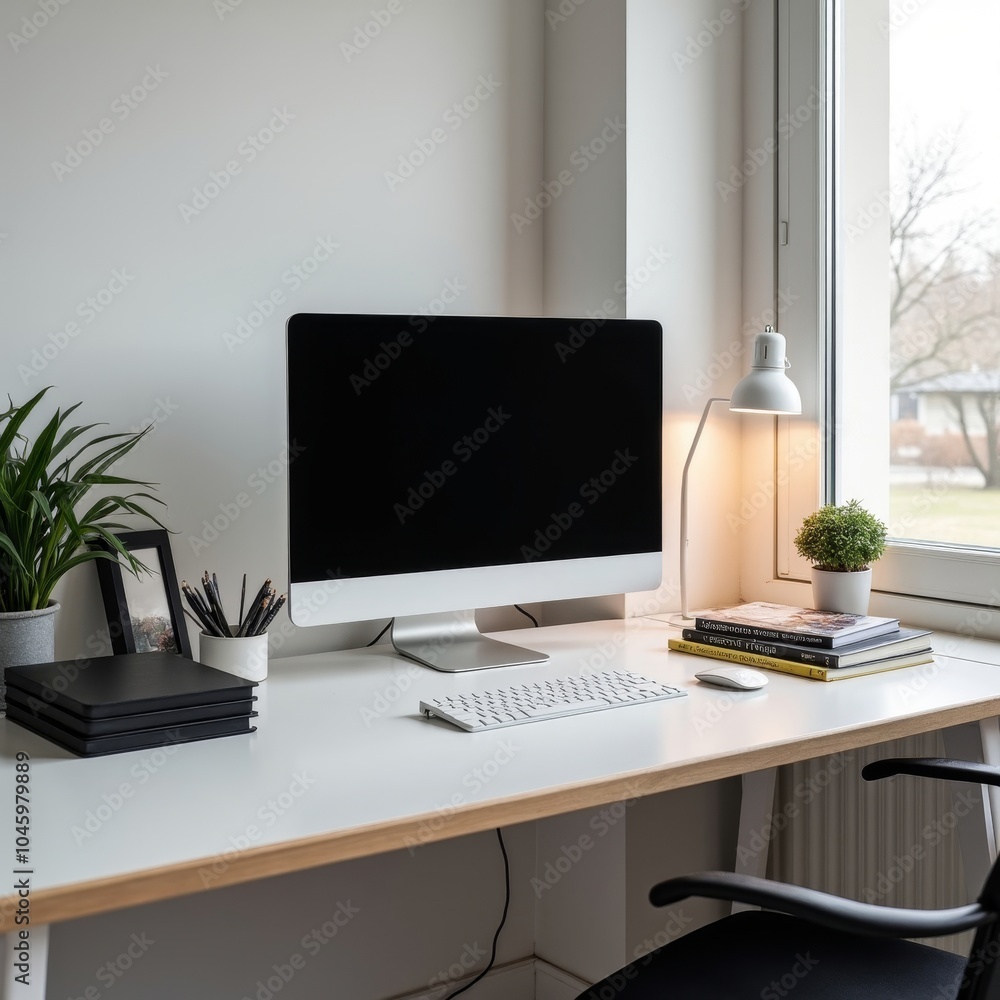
(264, 608)
(252, 606)
(202, 625)
(243, 594)
(207, 623)
(269, 617)
(211, 589)
(246, 629)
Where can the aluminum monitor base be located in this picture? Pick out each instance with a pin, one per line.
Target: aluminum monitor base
(451, 642)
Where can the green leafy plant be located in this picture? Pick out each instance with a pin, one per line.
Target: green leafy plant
(44, 532)
(843, 539)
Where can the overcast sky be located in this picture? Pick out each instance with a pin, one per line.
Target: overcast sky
(945, 72)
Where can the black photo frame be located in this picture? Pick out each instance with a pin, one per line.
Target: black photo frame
(163, 592)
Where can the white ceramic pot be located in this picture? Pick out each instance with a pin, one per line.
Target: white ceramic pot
(26, 637)
(244, 657)
(847, 593)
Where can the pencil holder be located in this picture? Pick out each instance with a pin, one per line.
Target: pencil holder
(244, 657)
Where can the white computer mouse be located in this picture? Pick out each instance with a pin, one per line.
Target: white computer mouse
(740, 678)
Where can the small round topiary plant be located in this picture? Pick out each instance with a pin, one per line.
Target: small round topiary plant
(845, 539)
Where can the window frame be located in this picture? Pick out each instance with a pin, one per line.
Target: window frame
(837, 48)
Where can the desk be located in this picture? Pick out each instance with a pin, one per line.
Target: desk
(362, 772)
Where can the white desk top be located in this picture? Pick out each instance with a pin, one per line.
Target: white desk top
(352, 769)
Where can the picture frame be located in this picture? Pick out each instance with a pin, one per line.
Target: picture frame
(145, 614)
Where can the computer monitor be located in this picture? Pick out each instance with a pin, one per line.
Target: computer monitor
(442, 464)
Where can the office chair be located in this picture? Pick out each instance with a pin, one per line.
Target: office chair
(818, 946)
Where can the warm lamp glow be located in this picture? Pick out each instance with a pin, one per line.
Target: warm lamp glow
(765, 389)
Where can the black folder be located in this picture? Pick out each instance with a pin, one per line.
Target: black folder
(128, 684)
(80, 726)
(145, 739)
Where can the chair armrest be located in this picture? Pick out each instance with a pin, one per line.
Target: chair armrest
(933, 767)
(822, 908)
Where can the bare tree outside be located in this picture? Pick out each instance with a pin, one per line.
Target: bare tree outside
(945, 329)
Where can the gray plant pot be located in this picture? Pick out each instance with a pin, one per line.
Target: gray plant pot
(26, 637)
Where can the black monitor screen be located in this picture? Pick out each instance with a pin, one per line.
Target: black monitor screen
(430, 443)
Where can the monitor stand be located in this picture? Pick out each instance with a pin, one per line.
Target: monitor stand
(451, 642)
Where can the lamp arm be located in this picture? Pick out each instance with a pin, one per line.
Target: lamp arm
(684, 502)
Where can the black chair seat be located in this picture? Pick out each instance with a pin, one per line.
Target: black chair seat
(770, 956)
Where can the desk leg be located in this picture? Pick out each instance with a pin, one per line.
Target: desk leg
(989, 734)
(756, 807)
(977, 825)
(10, 988)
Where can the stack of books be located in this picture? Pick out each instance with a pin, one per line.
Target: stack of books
(133, 701)
(823, 645)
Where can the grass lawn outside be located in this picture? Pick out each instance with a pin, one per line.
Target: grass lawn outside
(943, 512)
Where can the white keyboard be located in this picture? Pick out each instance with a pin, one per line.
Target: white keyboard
(547, 700)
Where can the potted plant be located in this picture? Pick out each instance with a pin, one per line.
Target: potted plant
(841, 542)
(45, 527)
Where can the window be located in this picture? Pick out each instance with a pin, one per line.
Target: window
(944, 283)
(896, 287)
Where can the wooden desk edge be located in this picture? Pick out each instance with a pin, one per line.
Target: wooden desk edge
(83, 899)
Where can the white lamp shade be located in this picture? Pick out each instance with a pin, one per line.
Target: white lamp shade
(767, 389)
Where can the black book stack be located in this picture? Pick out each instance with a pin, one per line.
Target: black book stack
(133, 701)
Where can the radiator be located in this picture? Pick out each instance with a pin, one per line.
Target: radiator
(892, 842)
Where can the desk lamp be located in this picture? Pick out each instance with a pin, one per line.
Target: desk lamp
(766, 389)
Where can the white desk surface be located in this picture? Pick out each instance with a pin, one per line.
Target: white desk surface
(199, 818)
